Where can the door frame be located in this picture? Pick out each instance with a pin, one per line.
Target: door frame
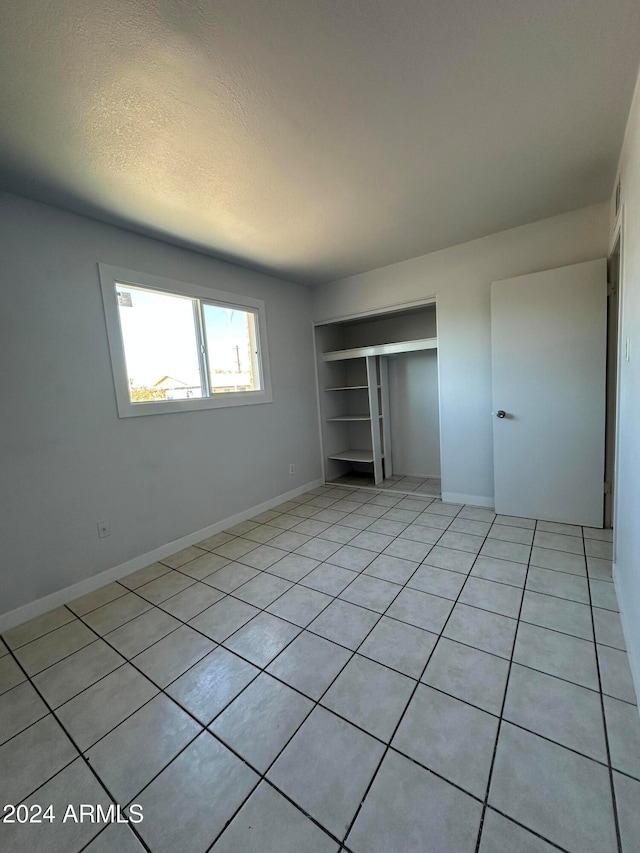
(617, 239)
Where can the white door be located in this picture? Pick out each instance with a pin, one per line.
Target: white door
(548, 340)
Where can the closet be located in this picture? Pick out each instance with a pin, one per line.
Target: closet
(378, 400)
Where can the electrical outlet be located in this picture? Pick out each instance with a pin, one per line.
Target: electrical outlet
(292, 468)
(104, 528)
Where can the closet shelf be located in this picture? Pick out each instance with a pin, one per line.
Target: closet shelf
(381, 349)
(354, 456)
(342, 418)
(349, 388)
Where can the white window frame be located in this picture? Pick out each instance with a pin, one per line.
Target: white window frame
(111, 277)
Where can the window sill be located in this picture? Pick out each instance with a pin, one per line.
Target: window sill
(219, 401)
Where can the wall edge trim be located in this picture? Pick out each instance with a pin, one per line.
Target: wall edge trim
(632, 657)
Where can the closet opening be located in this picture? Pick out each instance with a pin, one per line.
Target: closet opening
(379, 401)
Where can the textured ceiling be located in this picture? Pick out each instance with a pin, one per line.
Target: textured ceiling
(315, 138)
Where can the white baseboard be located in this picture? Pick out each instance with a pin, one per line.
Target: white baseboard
(474, 500)
(63, 596)
(633, 654)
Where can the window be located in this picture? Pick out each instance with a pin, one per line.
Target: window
(176, 347)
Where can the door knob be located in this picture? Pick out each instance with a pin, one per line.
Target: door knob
(501, 413)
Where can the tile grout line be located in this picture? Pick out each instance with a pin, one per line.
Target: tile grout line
(605, 723)
(504, 700)
(80, 755)
(528, 829)
(402, 715)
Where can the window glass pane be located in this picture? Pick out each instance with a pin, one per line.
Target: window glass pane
(231, 349)
(160, 345)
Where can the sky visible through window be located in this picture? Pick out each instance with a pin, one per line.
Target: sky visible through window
(160, 341)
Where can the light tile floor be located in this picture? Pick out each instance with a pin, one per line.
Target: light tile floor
(354, 670)
(396, 483)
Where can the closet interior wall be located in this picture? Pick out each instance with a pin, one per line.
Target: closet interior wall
(415, 413)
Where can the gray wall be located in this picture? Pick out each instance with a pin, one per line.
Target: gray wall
(460, 279)
(68, 460)
(627, 497)
(415, 422)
